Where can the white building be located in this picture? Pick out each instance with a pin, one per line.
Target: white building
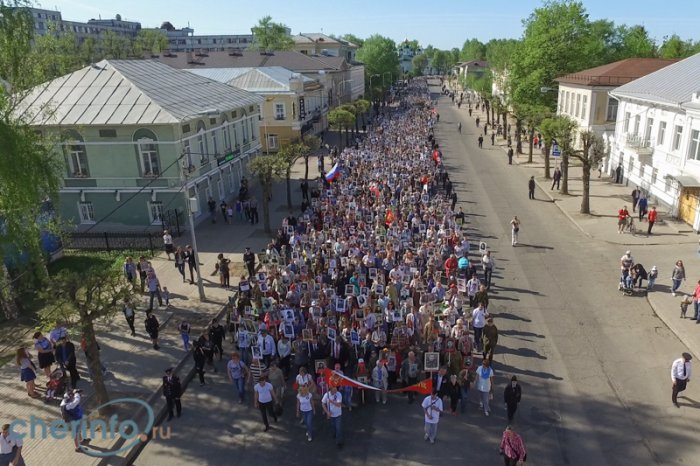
(406, 54)
(657, 137)
(584, 98)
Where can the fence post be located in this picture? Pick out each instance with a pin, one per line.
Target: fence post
(107, 242)
(150, 243)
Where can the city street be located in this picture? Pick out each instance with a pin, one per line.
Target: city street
(594, 365)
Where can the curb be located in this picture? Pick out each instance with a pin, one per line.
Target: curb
(681, 334)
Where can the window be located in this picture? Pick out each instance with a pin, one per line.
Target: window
(677, 136)
(220, 186)
(148, 152)
(647, 131)
(694, 150)
(611, 114)
(272, 141)
(155, 212)
(654, 175)
(279, 112)
(78, 160)
(214, 145)
(561, 101)
(87, 213)
(253, 133)
(627, 121)
(227, 136)
(578, 104)
(566, 102)
(584, 107)
(662, 133)
(245, 131)
(637, 119)
(108, 133)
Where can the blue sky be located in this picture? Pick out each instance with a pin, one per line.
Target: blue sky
(442, 23)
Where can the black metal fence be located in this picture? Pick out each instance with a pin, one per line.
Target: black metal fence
(109, 241)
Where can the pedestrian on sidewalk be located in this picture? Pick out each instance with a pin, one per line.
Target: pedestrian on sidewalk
(10, 448)
(511, 397)
(254, 219)
(531, 187)
(264, 400)
(199, 361)
(224, 207)
(489, 337)
(515, 229)
(487, 264)
(306, 409)
(180, 260)
(432, 408)
(72, 413)
(477, 121)
(172, 391)
(191, 258)
(143, 267)
(65, 357)
(510, 155)
(556, 179)
(479, 316)
(153, 289)
(332, 403)
(211, 203)
(152, 328)
(677, 275)
(185, 328)
(493, 138)
(636, 194)
(459, 127)
(696, 302)
(681, 371)
(470, 110)
(651, 218)
(130, 270)
(249, 261)
(484, 385)
(622, 215)
(27, 371)
(481, 142)
(239, 209)
(642, 203)
(512, 448)
(618, 174)
(168, 243)
(653, 273)
(217, 333)
(44, 351)
(237, 373)
(486, 130)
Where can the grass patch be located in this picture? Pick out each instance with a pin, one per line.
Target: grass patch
(75, 261)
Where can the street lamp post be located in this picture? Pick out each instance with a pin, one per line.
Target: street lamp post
(192, 207)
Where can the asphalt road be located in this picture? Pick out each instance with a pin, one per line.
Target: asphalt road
(594, 365)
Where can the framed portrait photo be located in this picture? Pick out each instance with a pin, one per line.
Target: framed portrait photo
(349, 290)
(340, 304)
(307, 335)
(331, 333)
(288, 330)
(257, 352)
(431, 362)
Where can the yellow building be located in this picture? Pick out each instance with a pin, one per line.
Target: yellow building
(294, 105)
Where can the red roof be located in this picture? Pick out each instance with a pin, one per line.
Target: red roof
(616, 73)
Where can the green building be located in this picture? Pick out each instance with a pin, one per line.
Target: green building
(139, 138)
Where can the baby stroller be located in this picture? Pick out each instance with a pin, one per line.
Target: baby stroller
(56, 386)
(631, 281)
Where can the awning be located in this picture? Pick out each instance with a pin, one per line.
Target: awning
(688, 181)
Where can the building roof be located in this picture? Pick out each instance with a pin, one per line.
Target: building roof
(291, 60)
(616, 73)
(481, 63)
(129, 92)
(674, 84)
(320, 38)
(263, 80)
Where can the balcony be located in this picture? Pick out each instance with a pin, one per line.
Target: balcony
(644, 147)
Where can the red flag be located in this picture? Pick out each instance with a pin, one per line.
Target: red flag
(389, 219)
(340, 380)
(424, 387)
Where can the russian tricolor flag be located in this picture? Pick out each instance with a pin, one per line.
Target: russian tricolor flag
(334, 173)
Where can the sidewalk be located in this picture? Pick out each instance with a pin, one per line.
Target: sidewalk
(671, 240)
(135, 369)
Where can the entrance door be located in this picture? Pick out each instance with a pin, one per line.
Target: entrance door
(688, 204)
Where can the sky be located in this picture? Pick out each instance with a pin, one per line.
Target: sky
(441, 23)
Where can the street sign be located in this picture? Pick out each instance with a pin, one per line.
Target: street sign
(556, 152)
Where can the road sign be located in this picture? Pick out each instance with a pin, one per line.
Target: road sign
(555, 150)
(482, 247)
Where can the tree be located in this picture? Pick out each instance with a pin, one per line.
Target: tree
(547, 128)
(379, 55)
(675, 47)
(29, 167)
(532, 116)
(114, 47)
(557, 40)
(267, 169)
(88, 295)
(350, 108)
(339, 118)
(562, 130)
(419, 63)
(499, 53)
(362, 107)
(440, 61)
(592, 153)
(58, 53)
(473, 49)
(148, 42)
(269, 36)
(289, 154)
(635, 43)
(311, 144)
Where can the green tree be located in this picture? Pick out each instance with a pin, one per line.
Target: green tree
(113, 46)
(533, 115)
(548, 129)
(289, 154)
(562, 130)
(419, 63)
(591, 154)
(379, 55)
(440, 61)
(675, 47)
(269, 36)
(312, 144)
(473, 49)
(58, 52)
(87, 296)
(148, 42)
(29, 168)
(557, 40)
(88, 51)
(362, 107)
(267, 169)
(339, 118)
(635, 43)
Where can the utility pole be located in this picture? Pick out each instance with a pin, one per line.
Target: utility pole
(190, 216)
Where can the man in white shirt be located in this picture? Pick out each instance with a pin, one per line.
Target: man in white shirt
(264, 396)
(432, 407)
(10, 447)
(681, 370)
(267, 347)
(332, 403)
(479, 316)
(488, 264)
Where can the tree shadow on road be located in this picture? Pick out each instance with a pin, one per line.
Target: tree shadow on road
(509, 316)
(535, 246)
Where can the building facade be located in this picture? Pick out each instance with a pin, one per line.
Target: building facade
(657, 137)
(184, 40)
(294, 105)
(140, 138)
(321, 44)
(406, 53)
(43, 19)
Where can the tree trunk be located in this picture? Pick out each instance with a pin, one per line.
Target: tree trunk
(505, 125)
(347, 136)
(93, 354)
(518, 135)
(8, 301)
(564, 173)
(267, 191)
(531, 144)
(493, 116)
(289, 188)
(488, 113)
(585, 197)
(306, 167)
(547, 147)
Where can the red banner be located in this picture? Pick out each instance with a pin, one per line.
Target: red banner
(424, 387)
